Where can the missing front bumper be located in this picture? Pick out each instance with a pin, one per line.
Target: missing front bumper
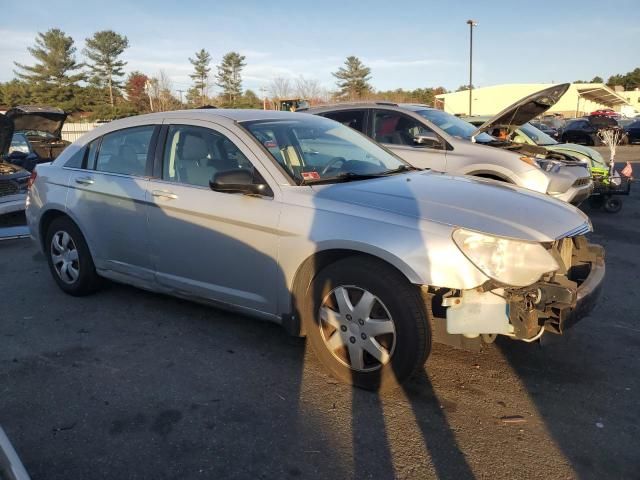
(564, 299)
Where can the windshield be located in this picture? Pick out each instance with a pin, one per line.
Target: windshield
(314, 148)
(454, 126)
(536, 135)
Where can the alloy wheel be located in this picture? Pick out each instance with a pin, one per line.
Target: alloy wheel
(357, 328)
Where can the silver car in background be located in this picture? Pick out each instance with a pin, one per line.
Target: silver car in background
(300, 220)
(430, 138)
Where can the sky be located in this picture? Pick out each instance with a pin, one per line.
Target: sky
(406, 44)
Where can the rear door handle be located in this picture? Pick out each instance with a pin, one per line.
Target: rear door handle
(164, 194)
(84, 180)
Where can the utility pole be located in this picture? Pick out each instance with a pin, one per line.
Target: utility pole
(263, 90)
(471, 23)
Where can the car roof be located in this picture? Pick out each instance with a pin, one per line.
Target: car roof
(413, 107)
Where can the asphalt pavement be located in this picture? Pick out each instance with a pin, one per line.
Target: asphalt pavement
(127, 384)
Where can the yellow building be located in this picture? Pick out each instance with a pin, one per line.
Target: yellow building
(581, 99)
(632, 97)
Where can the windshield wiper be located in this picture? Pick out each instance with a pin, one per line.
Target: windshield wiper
(351, 176)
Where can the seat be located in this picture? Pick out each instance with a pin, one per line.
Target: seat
(193, 162)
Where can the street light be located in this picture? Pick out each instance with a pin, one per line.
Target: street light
(471, 23)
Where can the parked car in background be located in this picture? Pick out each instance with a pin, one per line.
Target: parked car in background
(550, 131)
(430, 138)
(530, 135)
(38, 134)
(322, 231)
(633, 131)
(605, 112)
(13, 178)
(584, 130)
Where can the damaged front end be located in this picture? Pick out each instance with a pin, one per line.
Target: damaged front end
(552, 304)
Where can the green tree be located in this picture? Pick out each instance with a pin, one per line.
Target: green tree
(229, 76)
(462, 88)
(104, 50)
(14, 93)
(628, 81)
(597, 79)
(52, 78)
(353, 78)
(200, 74)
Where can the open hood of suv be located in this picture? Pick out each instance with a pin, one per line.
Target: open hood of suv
(6, 133)
(524, 109)
(43, 119)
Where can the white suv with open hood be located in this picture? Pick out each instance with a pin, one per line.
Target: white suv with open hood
(430, 138)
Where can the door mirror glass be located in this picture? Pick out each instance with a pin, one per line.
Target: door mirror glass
(237, 181)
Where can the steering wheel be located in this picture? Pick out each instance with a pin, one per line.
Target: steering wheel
(331, 164)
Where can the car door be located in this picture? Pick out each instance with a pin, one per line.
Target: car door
(400, 133)
(107, 195)
(207, 244)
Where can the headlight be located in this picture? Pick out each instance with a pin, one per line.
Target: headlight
(512, 262)
(546, 165)
(549, 165)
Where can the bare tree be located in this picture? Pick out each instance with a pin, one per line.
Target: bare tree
(307, 88)
(160, 93)
(280, 88)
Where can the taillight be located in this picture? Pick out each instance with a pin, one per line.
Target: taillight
(32, 178)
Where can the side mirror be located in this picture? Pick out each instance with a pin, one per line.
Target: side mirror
(237, 181)
(429, 140)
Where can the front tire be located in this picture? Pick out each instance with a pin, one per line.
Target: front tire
(69, 258)
(368, 325)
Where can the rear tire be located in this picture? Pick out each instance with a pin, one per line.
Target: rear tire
(69, 258)
(368, 325)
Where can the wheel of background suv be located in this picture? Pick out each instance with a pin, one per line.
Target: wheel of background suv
(366, 323)
(613, 205)
(69, 258)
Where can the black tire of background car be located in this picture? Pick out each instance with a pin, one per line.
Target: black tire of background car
(613, 205)
(405, 304)
(88, 280)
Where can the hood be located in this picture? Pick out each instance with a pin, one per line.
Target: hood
(6, 133)
(524, 109)
(44, 119)
(477, 204)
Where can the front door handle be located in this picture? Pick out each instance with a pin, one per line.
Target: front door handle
(84, 180)
(164, 194)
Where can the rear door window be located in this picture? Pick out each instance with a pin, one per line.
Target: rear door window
(125, 151)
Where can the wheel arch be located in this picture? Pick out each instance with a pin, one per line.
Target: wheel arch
(317, 261)
(48, 217)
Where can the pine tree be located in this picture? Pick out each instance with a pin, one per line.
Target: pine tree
(52, 78)
(104, 50)
(353, 78)
(200, 74)
(229, 78)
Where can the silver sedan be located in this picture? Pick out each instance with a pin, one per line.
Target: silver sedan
(302, 221)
